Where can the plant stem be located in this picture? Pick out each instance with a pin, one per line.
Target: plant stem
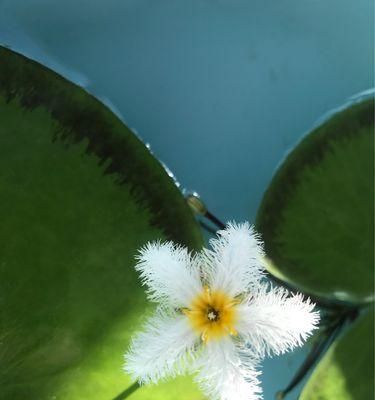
(214, 220)
(127, 392)
(199, 208)
(322, 342)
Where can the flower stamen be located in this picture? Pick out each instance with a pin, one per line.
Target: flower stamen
(212, 314)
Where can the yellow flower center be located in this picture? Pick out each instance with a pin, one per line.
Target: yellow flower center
(212, 314)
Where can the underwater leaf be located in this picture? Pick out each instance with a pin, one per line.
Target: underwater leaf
(316, 217)
(79, 194)
(346, 372)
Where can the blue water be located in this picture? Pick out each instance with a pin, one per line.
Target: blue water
(221, 89)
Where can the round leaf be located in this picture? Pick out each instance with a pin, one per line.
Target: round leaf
(316, 217)
(80, 193)
(346, 372)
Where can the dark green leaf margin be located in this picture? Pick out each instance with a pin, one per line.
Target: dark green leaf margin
(79, 194)
(316, 217)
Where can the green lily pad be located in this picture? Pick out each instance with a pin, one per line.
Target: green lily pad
(80, 193)
(316, 217)
(346, 372)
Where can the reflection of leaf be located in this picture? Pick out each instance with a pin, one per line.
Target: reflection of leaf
(346, 372)
(79, 194)
(316, 217)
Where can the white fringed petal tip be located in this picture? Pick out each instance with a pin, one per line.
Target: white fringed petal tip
(216, 317)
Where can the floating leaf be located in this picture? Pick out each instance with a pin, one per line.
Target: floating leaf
(316, 217)
(346, 372)
(80, 193)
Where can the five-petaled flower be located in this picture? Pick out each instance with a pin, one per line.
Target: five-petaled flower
(216, 316)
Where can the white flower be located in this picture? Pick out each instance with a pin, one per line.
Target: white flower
(216, 317)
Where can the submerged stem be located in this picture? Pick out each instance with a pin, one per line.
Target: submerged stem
(127, 392)
(320, 345)
(214, 220)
